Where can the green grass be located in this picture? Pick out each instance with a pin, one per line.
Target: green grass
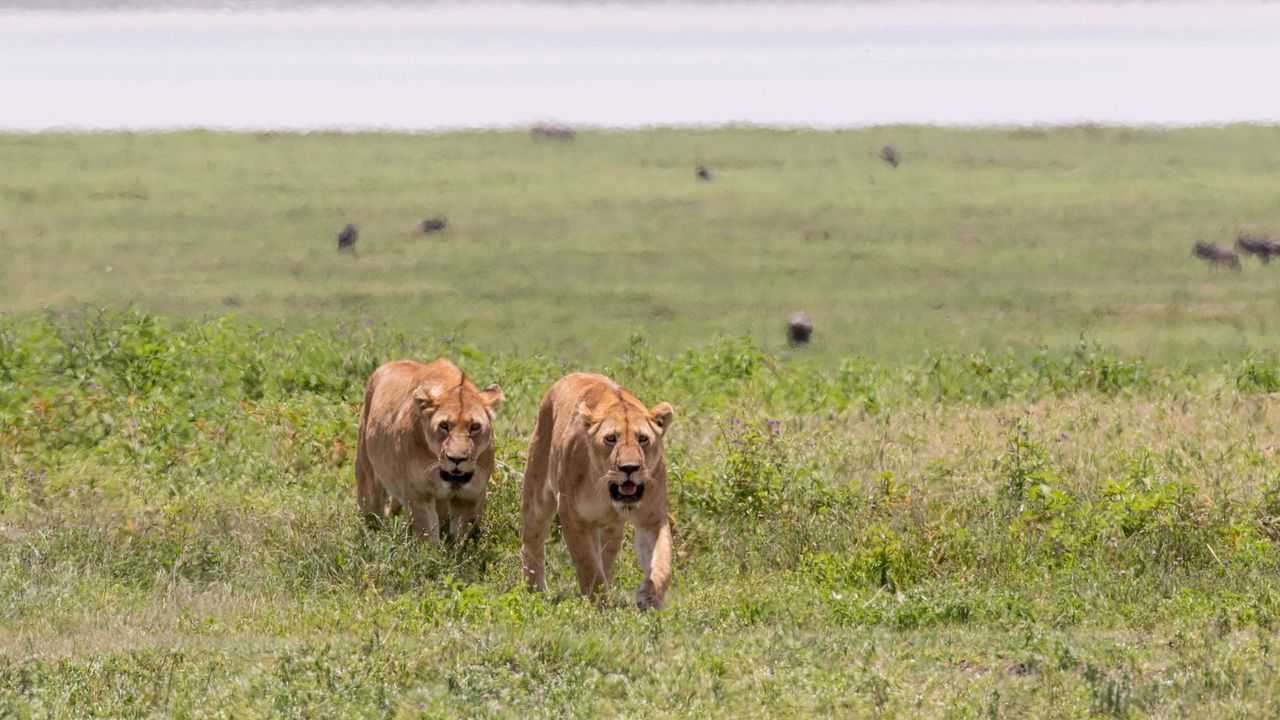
(950, 506)
(1074, 535)
(981, 240)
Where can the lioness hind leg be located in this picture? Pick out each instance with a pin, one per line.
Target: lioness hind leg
(426, 523)
(538, 500)
(442, 515)
(610, 543)
(371, 496)
(464, 519)
(539, 508)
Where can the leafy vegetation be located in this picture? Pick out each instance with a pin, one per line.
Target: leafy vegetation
(1074, 533)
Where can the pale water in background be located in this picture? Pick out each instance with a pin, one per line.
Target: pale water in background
(452, 65)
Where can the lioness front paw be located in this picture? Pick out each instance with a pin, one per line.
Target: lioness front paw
(647, 599)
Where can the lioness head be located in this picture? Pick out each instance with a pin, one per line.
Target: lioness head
(457, 425)
(626, 446)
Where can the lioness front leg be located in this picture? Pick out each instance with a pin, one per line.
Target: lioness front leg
(653, 551)
(584, 549)
(426, 522)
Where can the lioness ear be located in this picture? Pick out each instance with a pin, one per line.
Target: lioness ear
(492, 396)
(587, 414)
(662, 414)
(424, 398)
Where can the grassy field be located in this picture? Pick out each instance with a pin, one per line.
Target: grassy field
(950, 506)
(981, 240)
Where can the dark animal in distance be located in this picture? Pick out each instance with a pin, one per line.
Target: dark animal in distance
(347, 238)
(1260, 245)
(553, 132)
(799, 328)
(889, 154)
(1216, 255)
(703, 173)
(434, 224)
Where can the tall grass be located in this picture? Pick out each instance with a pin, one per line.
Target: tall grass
(1072, 533)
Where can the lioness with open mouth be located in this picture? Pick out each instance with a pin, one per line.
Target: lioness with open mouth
(596, 460)
(426, 442)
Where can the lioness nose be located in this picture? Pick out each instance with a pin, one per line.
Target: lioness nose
(457, 459)
(628, 469)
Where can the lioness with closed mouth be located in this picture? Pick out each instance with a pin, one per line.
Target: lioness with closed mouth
(596, 460)
(426, 442)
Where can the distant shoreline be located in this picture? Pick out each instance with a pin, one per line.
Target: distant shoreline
(524, 128)
(444, 66)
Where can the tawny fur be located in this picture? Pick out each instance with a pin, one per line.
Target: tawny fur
(571, 465)
(419, 425)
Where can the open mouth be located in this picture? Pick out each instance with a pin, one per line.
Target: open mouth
(626, 492)
(456, 477)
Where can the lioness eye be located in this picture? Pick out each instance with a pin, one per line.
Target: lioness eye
(444, 428)
(475, 428)
(643, 439)
(611, 438)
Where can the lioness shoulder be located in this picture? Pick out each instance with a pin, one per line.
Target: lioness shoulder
(425, 443)
(596, 460)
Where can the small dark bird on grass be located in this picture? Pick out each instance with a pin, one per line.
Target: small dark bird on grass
(1216, 255)
(1260, 245)
(347, 238)
(799, 328)
(889, 154)
(434, 224)
(703, 173)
